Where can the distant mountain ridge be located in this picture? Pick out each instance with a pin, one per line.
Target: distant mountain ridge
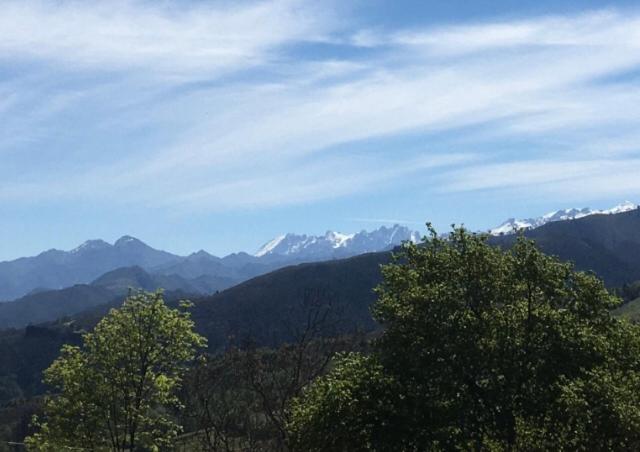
(55, 269)
(608, 245)
(512, 225)
(48, 305)
(335, 244)
(265, 308)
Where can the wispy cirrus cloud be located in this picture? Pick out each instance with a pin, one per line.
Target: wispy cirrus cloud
(209, 106)
(570, 179)
(604, 28)
(387, 221)
(160, 39)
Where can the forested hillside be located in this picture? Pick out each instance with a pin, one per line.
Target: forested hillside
(608, 245)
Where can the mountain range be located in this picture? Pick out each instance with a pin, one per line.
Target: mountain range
(267, 308)
(55, 269)
(512, 225)
(608, 245)
(46, 305)
(336, 245)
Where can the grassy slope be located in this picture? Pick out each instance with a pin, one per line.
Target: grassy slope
(629, 310)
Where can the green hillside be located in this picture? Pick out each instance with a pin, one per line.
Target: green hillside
(630, 310)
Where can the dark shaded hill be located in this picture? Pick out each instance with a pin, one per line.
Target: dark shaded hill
(121, 279)
(52, 304)
(26, 352)
(608, 245)
(49, 305)
(266, 308)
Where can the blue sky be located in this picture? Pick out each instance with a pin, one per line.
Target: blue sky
(219, 125)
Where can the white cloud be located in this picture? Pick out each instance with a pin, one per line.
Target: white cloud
(165, 39)
(562, 180)
(270, 138)
(596, 29)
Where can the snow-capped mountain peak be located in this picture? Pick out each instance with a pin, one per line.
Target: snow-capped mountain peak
(624, 207)
(90, 245)
(336, 244)
(511, 225)
(270, 246)
(338, 239)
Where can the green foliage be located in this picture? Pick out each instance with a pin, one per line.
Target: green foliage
(114, 393)
(352, 408)
(629, 292)
(629, 310)
(483, 349)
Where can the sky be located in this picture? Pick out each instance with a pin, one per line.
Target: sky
(218, 125)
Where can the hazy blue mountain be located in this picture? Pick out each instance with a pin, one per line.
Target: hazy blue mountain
(120, 280)
(50, 305)
(195, 265)
(55, 269)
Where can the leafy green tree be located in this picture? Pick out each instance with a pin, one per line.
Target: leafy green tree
(116, 391)
(483, 349)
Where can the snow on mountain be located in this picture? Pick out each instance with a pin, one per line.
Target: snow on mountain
(336, 244)
(90, 245)
(511, 225)
(270, 246)
(624, 207)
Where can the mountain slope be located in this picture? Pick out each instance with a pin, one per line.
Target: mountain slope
(52, 304)
(608, 245)
(630, 310)
(266, 308)
(511, 225)
(56, 269)
(120, 280)
(337, 245)
(45, 306)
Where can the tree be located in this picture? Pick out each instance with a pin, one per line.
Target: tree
(483, 349)
(114, 393)
(240, 400)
